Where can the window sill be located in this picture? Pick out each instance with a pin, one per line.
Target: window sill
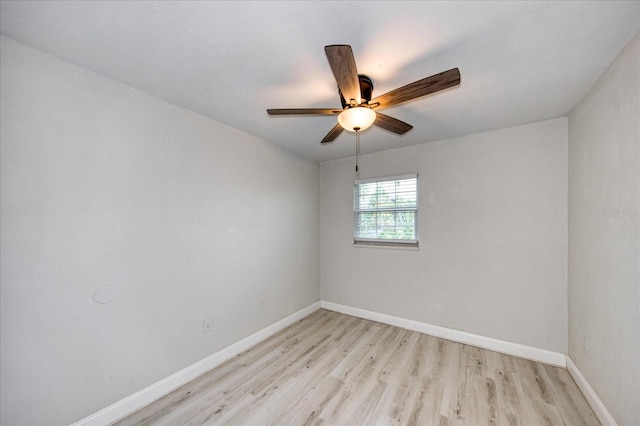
(388, 246)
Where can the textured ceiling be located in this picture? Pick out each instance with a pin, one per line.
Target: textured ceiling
(520, 61)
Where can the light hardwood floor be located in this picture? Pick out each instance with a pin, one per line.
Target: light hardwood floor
(335, 369)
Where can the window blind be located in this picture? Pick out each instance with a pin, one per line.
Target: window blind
(385, 210)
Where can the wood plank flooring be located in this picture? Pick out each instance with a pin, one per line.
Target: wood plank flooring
(334, 369)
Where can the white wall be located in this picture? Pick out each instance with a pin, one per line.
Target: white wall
(604, 236)
(188, 219)
(492, 229)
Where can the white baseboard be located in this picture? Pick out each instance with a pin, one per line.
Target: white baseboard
(157, 390)
(592, 398)
(523, 351)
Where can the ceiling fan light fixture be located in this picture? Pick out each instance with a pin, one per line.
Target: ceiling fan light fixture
(356, 118)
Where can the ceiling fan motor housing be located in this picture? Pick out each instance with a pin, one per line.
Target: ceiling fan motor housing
(366, 90)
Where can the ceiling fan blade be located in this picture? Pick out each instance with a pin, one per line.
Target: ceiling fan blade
(306, 111)
(343, 65)
(333, 134)
(391, 124)
(419, 88)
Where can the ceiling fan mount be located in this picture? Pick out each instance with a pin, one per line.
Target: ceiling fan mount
(366, 91)
(359, 109)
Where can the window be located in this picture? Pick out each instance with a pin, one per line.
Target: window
(386, 210)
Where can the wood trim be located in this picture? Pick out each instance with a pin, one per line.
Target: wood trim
(516, 349)
(157, 390)
(590, 395)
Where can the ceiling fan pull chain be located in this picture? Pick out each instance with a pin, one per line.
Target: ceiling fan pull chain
(357, 149)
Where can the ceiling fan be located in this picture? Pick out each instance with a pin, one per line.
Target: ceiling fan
(359, 111)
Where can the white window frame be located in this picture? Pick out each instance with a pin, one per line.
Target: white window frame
(382, 241)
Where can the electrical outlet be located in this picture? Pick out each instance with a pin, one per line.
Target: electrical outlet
(586, 343)
(261, 305)
(207, 325)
